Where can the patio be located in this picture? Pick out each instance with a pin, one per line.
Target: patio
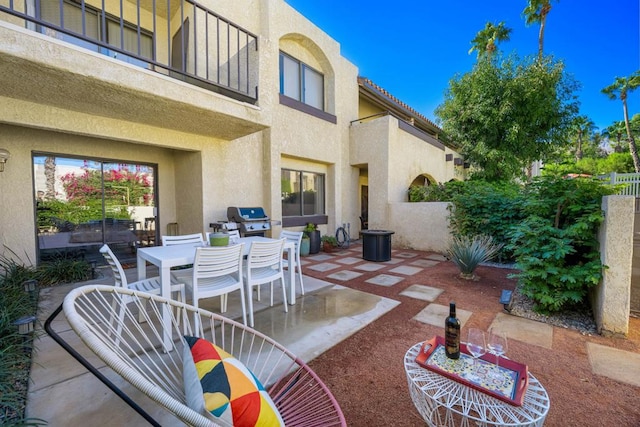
(355, 323)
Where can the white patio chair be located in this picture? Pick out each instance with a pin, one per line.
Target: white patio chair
(180, 274)
(184, 239)
(150, 285)
(264, 265)
(138, 356)
(217, 270)
(296, 237)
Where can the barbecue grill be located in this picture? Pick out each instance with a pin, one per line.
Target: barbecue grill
(251, 221)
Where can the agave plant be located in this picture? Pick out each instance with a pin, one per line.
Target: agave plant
(467, 252)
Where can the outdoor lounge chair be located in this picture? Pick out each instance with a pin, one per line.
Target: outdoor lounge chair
(140, 354)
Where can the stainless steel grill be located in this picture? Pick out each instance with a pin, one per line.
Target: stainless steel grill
(251, 221)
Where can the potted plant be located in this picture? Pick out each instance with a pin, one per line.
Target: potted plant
(305, 245)
(329, 243)
(467, 252)
(312, 231)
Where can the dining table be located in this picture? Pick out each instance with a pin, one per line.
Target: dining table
(167, 257)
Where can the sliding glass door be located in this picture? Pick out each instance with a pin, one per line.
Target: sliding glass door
(82, 203)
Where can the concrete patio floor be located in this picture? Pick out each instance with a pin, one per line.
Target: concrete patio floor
(63, 393)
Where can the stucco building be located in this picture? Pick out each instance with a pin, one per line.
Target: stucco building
(175, 113)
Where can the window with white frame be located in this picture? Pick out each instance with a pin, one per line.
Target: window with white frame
(303, 193)
(301, 82)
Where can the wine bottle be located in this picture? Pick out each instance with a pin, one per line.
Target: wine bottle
(452, 333)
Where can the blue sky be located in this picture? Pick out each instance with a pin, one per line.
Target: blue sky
(413, 48)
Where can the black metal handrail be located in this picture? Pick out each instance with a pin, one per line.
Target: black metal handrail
(205, 50)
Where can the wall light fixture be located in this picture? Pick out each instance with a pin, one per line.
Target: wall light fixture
(4, 156)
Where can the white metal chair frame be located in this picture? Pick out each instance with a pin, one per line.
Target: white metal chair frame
(296, 237)
(264, 265)
(137, 355)
(217, 271)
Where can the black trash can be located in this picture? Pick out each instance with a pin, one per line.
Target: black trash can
(376, 245)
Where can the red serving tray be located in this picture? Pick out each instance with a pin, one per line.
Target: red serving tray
(511, 391)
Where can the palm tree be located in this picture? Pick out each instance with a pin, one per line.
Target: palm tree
(615, 130)
(620, 89)
(583, 126)
(487, 38)
(50, 177)
(536, 13)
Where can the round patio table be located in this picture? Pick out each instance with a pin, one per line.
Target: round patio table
(444, 402)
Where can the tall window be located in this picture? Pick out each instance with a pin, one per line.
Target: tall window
(82, 203)
(301, 82)
(89, 25)
(302, 193)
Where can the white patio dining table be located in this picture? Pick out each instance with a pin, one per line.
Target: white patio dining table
(166, 257)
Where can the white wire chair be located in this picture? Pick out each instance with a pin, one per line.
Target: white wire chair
(138, 354)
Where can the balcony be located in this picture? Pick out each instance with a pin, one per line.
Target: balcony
(178, 38)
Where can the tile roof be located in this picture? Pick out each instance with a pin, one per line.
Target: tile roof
(367, 83)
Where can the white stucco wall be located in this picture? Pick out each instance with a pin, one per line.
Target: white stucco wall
(420, 226)
(393, 158)
(17, 220)
(611, 298)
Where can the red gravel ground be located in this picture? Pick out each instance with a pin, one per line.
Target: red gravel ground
(365, 372)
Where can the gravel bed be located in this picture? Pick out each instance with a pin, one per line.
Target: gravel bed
(522, 306)
(581, 321)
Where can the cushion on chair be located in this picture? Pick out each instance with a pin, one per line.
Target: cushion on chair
(218, 384)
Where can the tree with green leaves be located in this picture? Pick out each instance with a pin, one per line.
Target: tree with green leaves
(620, 88)
(616, 133)
(536, 13)
(485, 41)
(506, 114)
(583, 127)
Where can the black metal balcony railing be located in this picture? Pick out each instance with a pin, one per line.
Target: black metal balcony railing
(179, 38)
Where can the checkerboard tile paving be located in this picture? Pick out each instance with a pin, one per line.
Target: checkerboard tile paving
(405, 255)
(370, 267)
(349, 260)
(385, 280)
(422, 292)
(344, 275)
(405, 269)
(325, 266)
(425, 263)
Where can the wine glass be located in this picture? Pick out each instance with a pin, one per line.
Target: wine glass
(497, 345)
(476, 345)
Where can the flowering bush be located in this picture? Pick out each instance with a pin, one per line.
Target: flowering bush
(121, 187)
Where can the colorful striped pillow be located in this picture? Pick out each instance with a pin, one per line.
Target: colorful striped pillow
(219, 385)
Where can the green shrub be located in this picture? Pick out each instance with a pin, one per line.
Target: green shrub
(487, 208)
(436, 193)
(469, 252)
(556, 245)
(15, 349)
(63, 269)
(331, 240)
